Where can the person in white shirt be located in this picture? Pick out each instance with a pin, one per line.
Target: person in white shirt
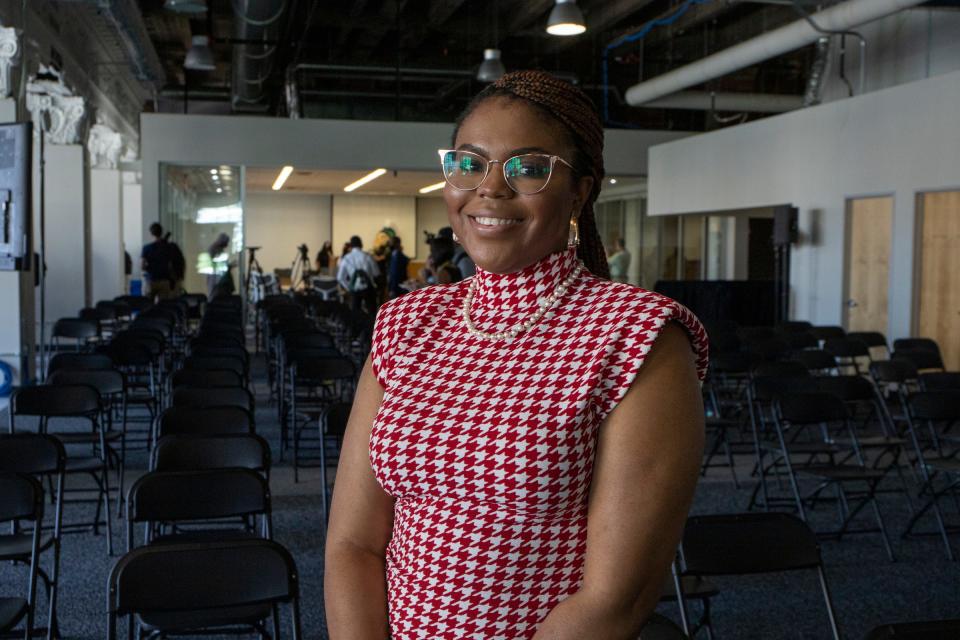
(357, 272)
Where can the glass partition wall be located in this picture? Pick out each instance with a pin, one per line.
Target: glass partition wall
(202, 208)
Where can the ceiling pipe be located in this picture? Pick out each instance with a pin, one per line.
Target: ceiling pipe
(727, 101)
(771, 44)
(258, 29)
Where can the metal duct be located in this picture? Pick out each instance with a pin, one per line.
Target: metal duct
(787, 38)
(126, 18)
(724, 101)
(256, 20)
(818, 72)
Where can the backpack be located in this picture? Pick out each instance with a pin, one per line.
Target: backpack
(360, 281)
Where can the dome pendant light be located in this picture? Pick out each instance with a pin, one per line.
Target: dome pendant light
(566, 19)
(492, 67)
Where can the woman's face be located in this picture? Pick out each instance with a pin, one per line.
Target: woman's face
(538, 224)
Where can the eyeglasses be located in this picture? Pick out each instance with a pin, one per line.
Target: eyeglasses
(526, 174)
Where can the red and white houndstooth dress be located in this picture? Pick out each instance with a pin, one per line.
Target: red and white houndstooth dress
(487, 445)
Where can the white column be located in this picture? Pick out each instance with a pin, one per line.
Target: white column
(132, 207)
(106, 235)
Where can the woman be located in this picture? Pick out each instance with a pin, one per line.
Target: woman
(506, 473)
(324, 258)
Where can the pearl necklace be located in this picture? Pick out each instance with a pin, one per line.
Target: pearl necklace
(545, 305)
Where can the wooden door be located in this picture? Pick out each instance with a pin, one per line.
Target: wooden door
(868, 263)
(939, 297)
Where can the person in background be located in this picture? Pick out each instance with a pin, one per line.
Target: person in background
(357, 274)
(619, 262)
(155, 264)
(127, 270)
(178, 266)
(220, 281)
(397, 271)
(460, 259)
(324, 259)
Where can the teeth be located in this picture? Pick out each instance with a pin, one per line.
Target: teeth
(494, 222)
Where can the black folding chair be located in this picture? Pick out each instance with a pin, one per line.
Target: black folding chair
(53, 403)
(218, 397)
(922, 359)
(926, 630)
(184, 506)
(848, 352)
(315, 383)
(21, 499)
(939, 381)
(41, 456)
(205, 379)
(81, 332)
(749, 543)
(817, 361)
(199, 452)
(333, 424)
(939, 457)
(875, 341)
(79, 362)
(203, 587)
(204, 421)
(799, 412)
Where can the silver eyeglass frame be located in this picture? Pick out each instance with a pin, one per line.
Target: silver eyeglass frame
(503, 169)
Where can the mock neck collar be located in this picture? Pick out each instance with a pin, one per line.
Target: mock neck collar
(523, 289)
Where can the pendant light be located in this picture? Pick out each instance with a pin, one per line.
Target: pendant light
(199, 57)
(566, 19)
(492, 66)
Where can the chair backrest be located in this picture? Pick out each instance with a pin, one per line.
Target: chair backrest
(768, 389)
(923, 344)
(184, 496)
(308, 340)
(223, 363)
(193, 577)
(846, 348)
(794, 326)
(869, 338)
(197, 452)
(921, 358)
(810, 408)
(75, 328)
(129, 352)
(801, 340)
(935, 405)
(940, 381)
(335, 418)
(204, 421)
(925, 630)
(221, 351)
(50, 401)
(136, 303)
(199, 378)
(21, 497)
(847, 388)
(893, 371)
(815, 359)
(33, 453)
(310, 367)
(106, 382)
(748, 543)
(79, 362)
(218, 397)
(782, 369)
(827, 332)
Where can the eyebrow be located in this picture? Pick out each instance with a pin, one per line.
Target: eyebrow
(513, 152)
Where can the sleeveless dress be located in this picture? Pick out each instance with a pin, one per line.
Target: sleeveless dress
(487, 446)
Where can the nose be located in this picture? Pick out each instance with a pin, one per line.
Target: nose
(494, 185)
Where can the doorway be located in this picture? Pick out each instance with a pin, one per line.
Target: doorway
(938, 315)
(869, 221)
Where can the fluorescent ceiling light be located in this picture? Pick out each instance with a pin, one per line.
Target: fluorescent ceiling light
(432, 187)
(566, 19)
(373, 175)
(282, 177)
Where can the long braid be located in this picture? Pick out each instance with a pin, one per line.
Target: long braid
(576, 112)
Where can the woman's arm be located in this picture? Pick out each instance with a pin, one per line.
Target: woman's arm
(361, 519)
(645, 472)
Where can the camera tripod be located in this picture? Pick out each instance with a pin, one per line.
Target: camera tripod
(300, 269)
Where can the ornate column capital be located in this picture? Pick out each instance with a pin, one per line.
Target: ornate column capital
(9, 52)
(53, 108)
(104, 146)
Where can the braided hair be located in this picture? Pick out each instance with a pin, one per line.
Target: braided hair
(578, 117)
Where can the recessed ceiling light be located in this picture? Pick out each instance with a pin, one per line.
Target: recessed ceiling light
(373, 175)
(432, 187)
(219, 190)
(282, 177)
(613, 181)
(213, 172)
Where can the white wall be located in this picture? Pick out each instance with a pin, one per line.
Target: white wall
(66, 243)
(280, 222)
(365, 216)
(431, 216)
(131, 195)
(106, 235)
(325, 144)
(900, 141)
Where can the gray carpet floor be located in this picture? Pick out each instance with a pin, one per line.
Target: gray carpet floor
(867, 589)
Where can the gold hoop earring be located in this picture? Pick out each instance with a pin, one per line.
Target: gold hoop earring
(573, 239)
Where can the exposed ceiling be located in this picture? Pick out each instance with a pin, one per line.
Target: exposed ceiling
(417, 59)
